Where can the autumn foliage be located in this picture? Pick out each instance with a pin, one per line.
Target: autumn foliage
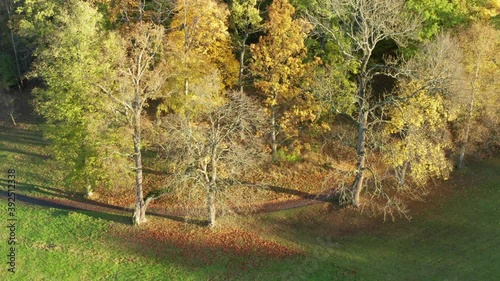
(219, 102)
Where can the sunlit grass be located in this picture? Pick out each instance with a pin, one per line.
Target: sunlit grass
(455, 239)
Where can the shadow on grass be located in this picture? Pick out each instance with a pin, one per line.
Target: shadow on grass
(67, 206)
(48, 191)
(30, 154)
(21, 136)
(75, 200)
(325, 196)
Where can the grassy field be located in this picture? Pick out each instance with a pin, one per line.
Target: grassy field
(453, 236)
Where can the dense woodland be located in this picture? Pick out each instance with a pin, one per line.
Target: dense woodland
(400, 92)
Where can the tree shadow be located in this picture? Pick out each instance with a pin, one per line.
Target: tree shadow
(326, 196)
(30, 154)
(177, 218)
(149, 171)
(78, 198)
(49, 191)
(21, 136)
(68, 207)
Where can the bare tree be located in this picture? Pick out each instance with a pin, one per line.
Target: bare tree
(359, 25)
(213, 148)
(479, 95)
(7, 101)
(140, 77)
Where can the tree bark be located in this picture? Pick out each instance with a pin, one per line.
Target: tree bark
(361, 143)
(461, 157)
(274, 145)
(361, 159)
(211, 206)
(242, 62)
(139, 216)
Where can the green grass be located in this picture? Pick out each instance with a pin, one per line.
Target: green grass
(23, 149)
(457, 239)
(66, 245)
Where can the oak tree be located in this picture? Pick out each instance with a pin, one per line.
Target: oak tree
(208, 153)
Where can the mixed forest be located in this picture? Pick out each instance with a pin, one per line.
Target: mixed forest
(199, 103)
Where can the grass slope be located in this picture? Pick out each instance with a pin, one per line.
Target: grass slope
(454, 236)
(451, 238)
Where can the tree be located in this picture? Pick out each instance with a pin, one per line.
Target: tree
(365, 23)
(280, 71)
(68, 60)
(7, 102)
(213, 149)
(140, 73)
(438, 14)
(415, 141)
(415, 136)
(446, 14)
(247, 21)
(124, 12)
(479, 97)
(200, 44)
(9, 9)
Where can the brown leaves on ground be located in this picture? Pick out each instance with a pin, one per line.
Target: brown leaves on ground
(198, 246)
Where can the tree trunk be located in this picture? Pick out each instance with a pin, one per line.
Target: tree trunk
(139, 216)
(211, 206)
(141, 9)
(274, 133)
(18, 66)
(461, 157)
(242, 62)
(360, 165)
(212, 185)
(11, 114)
(14, 48)
(361, 144)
